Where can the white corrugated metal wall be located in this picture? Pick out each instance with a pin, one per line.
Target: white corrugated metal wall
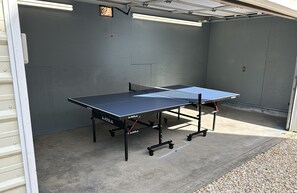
(11, 164)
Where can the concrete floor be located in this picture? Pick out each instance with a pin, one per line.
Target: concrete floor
(70, 162)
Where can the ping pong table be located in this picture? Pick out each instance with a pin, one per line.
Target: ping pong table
(120, 109)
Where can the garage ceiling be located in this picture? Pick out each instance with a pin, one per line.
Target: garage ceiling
(208, 9)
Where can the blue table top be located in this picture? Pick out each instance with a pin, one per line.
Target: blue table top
(208, 95)
(133, 103)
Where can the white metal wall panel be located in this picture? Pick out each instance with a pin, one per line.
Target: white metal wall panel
(17, 190)
(8, 125)
(11, 163)
(7, 102)
(6, 88)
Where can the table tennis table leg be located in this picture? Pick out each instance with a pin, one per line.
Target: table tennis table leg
(214, 121)
(161, 143)
(189, 137)
(216, 110)
(126, 140)
(160, 127)
(178, 114)
(94, 129)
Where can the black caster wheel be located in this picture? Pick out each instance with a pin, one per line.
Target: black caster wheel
(165, 120)
(112, 134)
(189, 138)
(151, 152)
(171, 146)
(204, 133)
(151, 123)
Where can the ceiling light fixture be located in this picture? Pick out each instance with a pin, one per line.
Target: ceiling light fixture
(165, 20)
(46, 4)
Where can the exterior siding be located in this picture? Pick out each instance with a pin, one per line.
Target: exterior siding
(11, 163)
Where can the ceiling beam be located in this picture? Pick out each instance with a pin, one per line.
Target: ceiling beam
(241, 17)
(146, 10)
(272, 6)
(254, 8)
(223, 9)
(164, 9)
(205, 8)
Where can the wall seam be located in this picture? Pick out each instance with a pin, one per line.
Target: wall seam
(265, 65)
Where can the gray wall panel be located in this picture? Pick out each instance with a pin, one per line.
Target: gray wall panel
(80, 53)
(171, 53)
(255, 45)
(41, 100)
(281, 60)
(267, 47)
(224, 66)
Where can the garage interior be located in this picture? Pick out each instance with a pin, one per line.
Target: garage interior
(81, 53)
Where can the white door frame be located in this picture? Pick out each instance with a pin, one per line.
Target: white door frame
(292, 113)
(11, 16)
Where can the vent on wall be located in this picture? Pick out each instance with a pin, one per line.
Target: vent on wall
(105, 11)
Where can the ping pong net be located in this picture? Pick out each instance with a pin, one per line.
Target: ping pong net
(164, 92)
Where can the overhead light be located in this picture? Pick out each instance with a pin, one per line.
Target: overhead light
(166, 20)
(46, 4)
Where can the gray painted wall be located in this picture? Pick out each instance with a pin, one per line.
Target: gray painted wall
(267, 47)
(79, 53)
